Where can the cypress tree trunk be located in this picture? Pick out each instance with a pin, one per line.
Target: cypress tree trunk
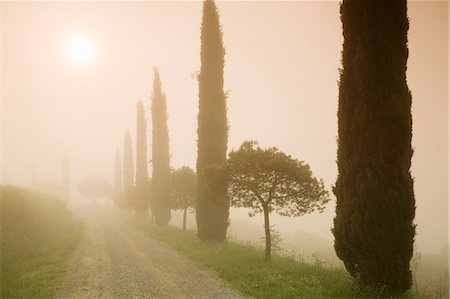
(160, 151)
(141, 208)
(373, 227)
(212, 204)
(128, 166)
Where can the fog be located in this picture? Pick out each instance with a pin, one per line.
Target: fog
(72, 73)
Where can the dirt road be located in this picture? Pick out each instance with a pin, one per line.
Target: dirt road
(115, 260)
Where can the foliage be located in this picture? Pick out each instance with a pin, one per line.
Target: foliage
(141, 199)
(375, 208)
(95, 186)
(267, 180)
(161, 158)
(184, 190)
(267, 177)
(38, 236)
(212, 210)
(128, 164)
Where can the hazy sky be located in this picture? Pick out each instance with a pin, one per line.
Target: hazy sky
(73, 71)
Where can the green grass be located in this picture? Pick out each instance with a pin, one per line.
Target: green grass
(38, 236)
(243, 267)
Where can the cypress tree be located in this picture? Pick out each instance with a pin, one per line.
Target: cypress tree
(160, 155)
(117, 175)
(128, 166)
(65, 179)
(212, 203)
(141, 202)
(33, 175)
(373, 227)
(118, 182)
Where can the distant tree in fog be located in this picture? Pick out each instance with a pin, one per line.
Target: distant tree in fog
(33, 175)
(184, 190)
(118, 196)
(160, 155)
(65, 179)
(118, 174)
(95, 187)
(212, 209)
(266, 181)
(375, 207)
(128, 165)
(141, 198)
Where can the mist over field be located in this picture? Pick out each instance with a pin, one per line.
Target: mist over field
(54, 107)
(73, 72)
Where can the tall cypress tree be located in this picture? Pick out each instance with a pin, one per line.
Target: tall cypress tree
(373, 227)
(128, 166)
(118, 182)
(212, 204)
(118, 175)
(33, 175)
(65, 179)
(160, 155)
(141, 201)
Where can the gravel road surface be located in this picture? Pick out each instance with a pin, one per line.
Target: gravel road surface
(115, 260)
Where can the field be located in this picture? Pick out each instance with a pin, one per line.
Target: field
(38, 237)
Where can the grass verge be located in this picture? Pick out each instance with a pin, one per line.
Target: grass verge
(243, 267)
(38, 236)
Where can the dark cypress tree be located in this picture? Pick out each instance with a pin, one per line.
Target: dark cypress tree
(128, 166)
(373, 228)
(160, 155)
(212, 204)
(141, 200)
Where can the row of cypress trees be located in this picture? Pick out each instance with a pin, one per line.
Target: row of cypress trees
(140, 193)
(212, 206)
(373, 227)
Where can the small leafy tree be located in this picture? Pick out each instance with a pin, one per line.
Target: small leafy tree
(184, 190)
(267, 180)
(94, 187)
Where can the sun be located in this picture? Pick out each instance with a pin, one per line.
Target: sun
(80, 50)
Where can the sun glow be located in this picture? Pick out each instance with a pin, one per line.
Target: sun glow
(80, 50)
